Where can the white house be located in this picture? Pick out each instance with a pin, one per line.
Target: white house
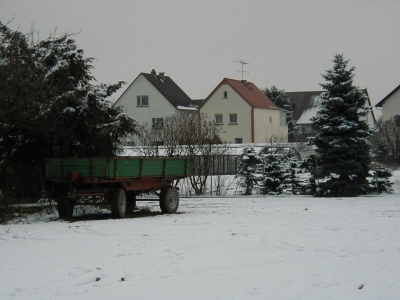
(390, 105)
(246, 114)
(151, 97)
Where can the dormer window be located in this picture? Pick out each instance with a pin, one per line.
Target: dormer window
(142, 100)
(225, 94)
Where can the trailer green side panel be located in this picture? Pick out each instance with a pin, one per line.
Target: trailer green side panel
(124, 167)
(176, 167)
(80, 165)
(99, 167)
(53, 168)
(117, 167)
(86, 167)
(153, 167)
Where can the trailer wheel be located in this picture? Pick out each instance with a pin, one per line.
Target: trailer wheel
(64, 206)
(169, 200)
(131, 199)
(118, 203)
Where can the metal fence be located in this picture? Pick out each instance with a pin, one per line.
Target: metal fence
(218, 165)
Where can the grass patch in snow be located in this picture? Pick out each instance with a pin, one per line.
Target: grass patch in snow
(104, 213)
(28, 213)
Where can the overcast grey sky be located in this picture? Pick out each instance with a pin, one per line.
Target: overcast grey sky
(286, 43)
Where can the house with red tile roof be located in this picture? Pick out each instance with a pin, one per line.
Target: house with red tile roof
(245, 114)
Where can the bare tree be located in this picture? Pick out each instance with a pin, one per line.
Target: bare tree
(300, 145)
(185, 134)
(386, 141)
(150, 139)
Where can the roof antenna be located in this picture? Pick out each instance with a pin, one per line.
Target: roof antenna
(242, 62)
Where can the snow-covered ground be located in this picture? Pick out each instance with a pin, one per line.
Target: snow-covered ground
(287, 247)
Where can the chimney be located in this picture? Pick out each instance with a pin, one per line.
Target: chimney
(161, 75)
(153, 72)
(247, 84)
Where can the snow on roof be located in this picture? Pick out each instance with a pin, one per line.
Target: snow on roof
(186, 107)
(311, 111)
(306, 105)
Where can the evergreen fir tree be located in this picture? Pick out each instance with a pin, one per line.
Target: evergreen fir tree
(50, 107)
(248, 163)
(341, 140)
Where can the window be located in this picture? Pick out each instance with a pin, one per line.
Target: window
(238, 141)
(232, 118)
(282, 118)
(225, 94)
(157, 123)
(270, 119)
(218, 119)
(142, 100)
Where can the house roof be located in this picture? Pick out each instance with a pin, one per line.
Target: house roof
(306, 105)
(387, 97)
(248, 91)
(168, 88)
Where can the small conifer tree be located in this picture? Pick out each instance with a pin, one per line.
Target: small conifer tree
(279, 169)
(248, 163)
(310, 165)
(380, 181)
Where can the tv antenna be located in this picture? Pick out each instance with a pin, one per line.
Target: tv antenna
(242, 62)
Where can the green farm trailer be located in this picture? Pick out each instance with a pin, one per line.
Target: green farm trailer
(114, 181)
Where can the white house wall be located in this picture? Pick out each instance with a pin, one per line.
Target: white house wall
(391, 106)
(159, 107)
(233, 104)
(267, 126)
(370, 119)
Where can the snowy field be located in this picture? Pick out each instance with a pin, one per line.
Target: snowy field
(288, 247)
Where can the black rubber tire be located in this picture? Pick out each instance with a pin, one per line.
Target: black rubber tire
(118, 203)
(131, 198)
(169, 200)
(64, 206)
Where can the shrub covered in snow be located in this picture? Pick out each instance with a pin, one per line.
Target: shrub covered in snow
(248, 163)
(279, 169)
(380, 180)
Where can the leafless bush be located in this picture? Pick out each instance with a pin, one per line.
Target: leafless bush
(386, 142)
(185, 134)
